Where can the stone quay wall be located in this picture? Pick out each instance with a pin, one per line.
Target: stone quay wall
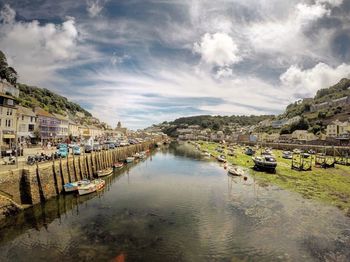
(38, 183)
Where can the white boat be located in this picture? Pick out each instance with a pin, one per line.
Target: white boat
(235, 171)
(206, 154)
(93, 186)
(130, 159)
(221, 158)
(105, 172)
(136, 155)
(287, 155)
(73, 186)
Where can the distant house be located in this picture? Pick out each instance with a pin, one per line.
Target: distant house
(303, 135)
(337, 129)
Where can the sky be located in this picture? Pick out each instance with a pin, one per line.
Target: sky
(147, 61)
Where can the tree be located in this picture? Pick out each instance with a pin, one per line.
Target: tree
(7, 72)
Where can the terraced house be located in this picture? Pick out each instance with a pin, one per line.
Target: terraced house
(48, 125)
(8, 115)
(27, 125)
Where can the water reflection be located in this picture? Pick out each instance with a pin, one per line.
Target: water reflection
(173, 207)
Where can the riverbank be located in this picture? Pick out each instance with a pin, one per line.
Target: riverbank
(330, 185)
(31, 185)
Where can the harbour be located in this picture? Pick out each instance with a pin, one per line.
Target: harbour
(178, 205)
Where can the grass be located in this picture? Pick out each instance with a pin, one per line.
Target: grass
(330, 185)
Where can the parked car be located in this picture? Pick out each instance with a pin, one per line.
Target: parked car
(88, 148)
(63, 150)
(111, 146)
(76, 150)
(105, 147)
(96, 147)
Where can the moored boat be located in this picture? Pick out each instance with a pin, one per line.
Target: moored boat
(118, 165)
(129, 159)
(105, 172)
(73, 186)
(221, 158)
(93, 186)
(287, 155)
(235, 171)
(267, 163)
(249, 151)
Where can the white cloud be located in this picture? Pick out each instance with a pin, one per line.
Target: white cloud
(330, 2)
(218, 49)
(37, 50)
(94, 7)
(7, 14)
(308, 81)
(223, 72)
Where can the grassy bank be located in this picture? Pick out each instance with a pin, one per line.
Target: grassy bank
(328, 185)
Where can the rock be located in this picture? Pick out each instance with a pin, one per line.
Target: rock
(8, 208)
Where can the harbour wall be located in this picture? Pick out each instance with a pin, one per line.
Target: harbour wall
(36, 184)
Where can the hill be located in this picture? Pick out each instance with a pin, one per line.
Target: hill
(31, 96)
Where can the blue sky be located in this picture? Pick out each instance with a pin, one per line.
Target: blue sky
(147, 61)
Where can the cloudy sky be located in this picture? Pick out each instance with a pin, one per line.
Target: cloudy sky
(146, 61)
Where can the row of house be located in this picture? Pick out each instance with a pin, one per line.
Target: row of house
(27, 125)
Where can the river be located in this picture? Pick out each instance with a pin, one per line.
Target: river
(177, 206)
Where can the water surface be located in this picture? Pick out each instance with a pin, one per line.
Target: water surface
(175, 206)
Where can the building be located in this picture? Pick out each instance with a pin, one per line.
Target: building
(48, 125)
(121, 129)
(338, 129)
(27, 125)
(303, 135)
(73, 129)
(63, 124)
(8, 115)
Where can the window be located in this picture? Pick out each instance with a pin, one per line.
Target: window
(22, 117)
(30, 128)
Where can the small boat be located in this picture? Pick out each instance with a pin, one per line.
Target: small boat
(206, 154)
(93, 186)
(73, 186)
(142, 155)
(99, 183)
(287, 155)
(235, 171)
(118, 165)
(231, 153)
(267, 163)
(130, 159)
(105, 172)
(221, 158)
(136, 155)
(249, 151)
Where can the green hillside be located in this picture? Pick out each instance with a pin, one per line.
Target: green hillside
(31, 96)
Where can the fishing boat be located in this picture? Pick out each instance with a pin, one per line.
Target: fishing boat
(267, 163)
(287, 155)
(73, 186)
(105, 172)
(130, 159)
(93, 186)
(221, 158)
(235, 171)
(231, 153)
(118, 165)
